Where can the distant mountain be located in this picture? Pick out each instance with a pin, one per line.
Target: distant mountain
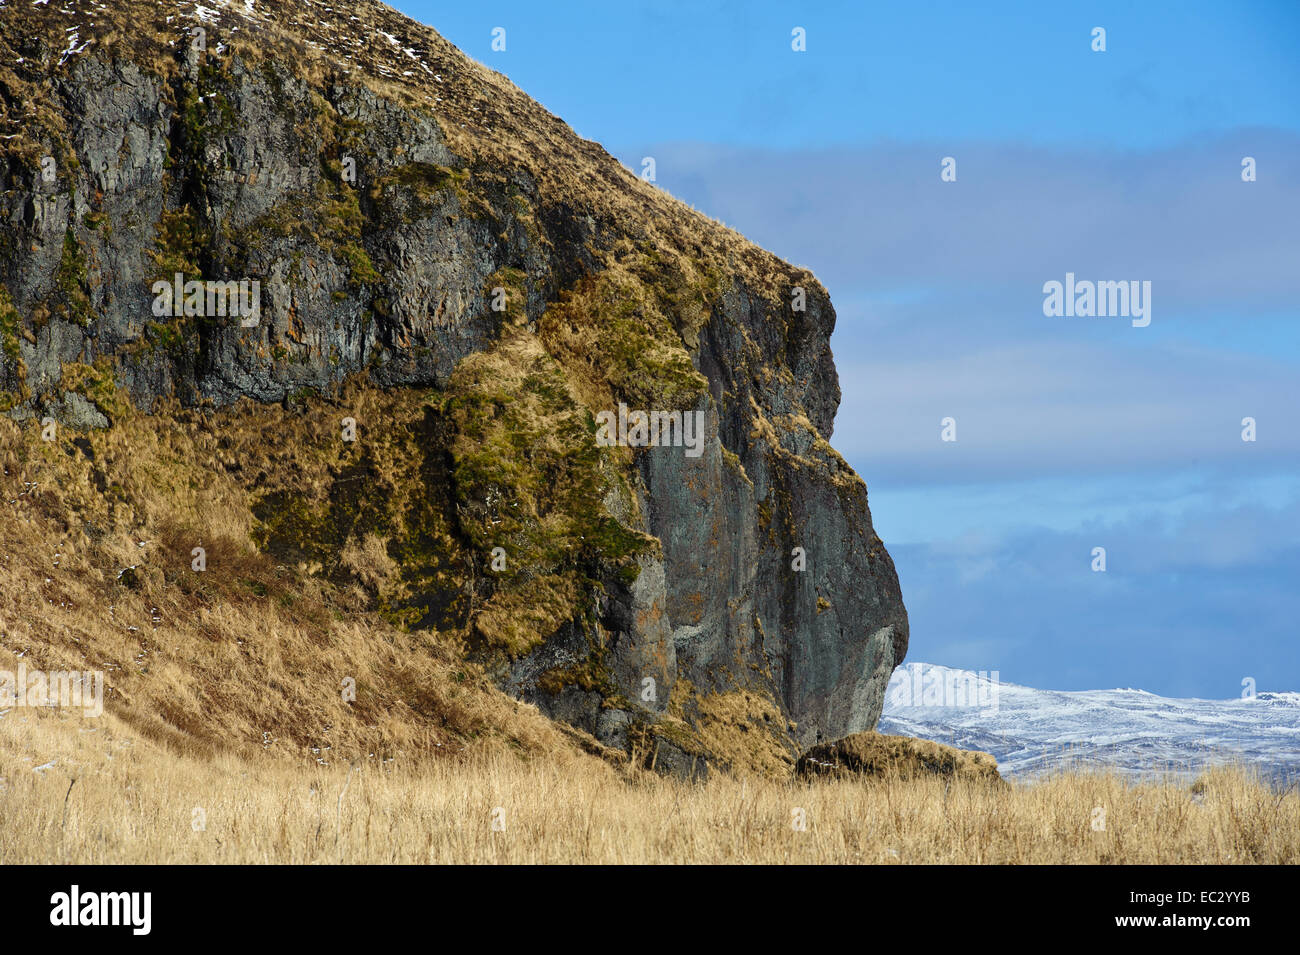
(1033, 731)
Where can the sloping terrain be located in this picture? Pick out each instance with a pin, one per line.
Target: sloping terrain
(394, 468)
(1129, 732)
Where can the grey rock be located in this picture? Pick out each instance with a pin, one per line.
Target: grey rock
(724, 608)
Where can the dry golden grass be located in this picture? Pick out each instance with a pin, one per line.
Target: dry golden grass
(250, 655)
(200, 667)
(224, 693)
(112, 798)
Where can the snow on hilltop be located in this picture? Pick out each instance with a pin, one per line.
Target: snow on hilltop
(1131, 731)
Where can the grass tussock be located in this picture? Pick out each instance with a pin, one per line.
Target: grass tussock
(75, 789)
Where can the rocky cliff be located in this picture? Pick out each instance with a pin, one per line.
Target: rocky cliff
(454, 287)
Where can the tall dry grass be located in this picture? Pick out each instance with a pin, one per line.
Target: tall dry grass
(248, 655)
(113, 798)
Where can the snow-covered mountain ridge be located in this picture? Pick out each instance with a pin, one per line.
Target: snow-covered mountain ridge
(1033, 731)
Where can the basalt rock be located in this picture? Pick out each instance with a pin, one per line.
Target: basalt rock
(403, 209)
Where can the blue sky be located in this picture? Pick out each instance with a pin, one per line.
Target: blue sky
(1072, 433)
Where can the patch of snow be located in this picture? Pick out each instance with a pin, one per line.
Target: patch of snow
(72, 49)
(1135, 733)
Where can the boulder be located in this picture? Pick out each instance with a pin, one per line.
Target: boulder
(879, 756)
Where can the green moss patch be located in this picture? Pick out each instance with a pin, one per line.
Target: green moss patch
(97, 384)
(531, 480)
(73, 283)
(612, 334)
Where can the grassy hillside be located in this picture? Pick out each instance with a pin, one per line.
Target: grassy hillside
(227, 738)
(249, 654)
(109, 797)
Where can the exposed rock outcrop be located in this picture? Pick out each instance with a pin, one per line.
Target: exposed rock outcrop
(420, 226)
(896, 757)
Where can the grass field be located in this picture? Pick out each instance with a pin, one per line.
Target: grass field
(111, 797)
(225, 737)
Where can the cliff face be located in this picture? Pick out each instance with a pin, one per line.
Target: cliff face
(445, 263)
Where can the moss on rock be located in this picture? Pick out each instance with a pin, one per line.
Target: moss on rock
(896, 757)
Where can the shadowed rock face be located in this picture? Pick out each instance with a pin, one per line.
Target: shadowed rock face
(769, 579)
(829, 635)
